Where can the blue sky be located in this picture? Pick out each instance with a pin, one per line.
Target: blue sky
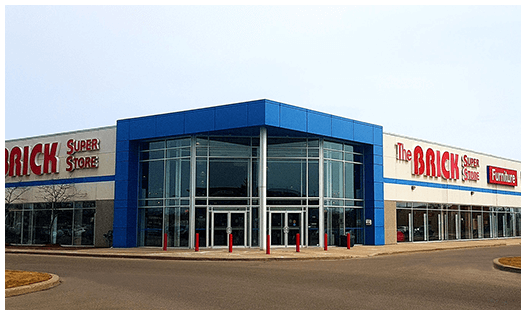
(447, 74)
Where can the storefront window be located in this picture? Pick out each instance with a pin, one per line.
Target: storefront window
(454, 222)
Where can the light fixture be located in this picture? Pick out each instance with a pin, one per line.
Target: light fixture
(413, 187)
(472, 193)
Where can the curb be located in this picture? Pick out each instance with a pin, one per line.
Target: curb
(227, 257)
(498, 265)
(39, 286)
(155, 257)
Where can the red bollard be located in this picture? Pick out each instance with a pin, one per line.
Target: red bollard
(348, 240)
(325, 242)
(268, 244)
(165, 246)
(229, 243)
(196, 242)
(297, 242)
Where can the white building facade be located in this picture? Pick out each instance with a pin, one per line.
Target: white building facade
(435, 192)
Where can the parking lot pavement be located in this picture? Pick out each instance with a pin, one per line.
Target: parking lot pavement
(277, 253)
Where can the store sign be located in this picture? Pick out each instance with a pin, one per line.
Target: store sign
(83, 162)
(502, 176)
(433, 163)
(24, 161)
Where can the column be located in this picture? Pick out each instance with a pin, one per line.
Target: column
(263, 187)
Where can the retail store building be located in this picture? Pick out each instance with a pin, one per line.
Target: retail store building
(254, 169)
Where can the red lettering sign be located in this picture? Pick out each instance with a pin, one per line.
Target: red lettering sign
(433, 163)
(24, 161)
(502, 176)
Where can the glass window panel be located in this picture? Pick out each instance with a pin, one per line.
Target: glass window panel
(152, 155)
(200, 225)
(225, 146)
(465, 224)
(313, 228)
(177, 226)
(286, 178)
(178, 143)
(334, 224)
(173, 153)
(433, 217)
(27, 228)
(314, 153)
(178, 178)
(418, 226)
(150, 226)
(63, 230)
(335, 155)
(152, 179)
(255, 178)
(314, 175)
(402, 225)
(84, 223)
(332, 145)
(255, 226)
(353, 223)
(334, 182)
(348, 148)
(41, 221)
(13, 227)
(201, 177)
(156, 145)
(228, 178)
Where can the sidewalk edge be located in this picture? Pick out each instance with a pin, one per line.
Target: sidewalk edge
(39, 286)
(498, 265)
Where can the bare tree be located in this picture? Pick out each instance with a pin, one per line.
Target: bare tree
(57, 194)
(14, 194)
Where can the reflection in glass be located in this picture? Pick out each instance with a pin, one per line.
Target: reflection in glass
(286, 178)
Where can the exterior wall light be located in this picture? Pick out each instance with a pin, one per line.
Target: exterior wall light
(413, 187)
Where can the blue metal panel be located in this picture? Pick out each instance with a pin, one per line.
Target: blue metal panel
(256, 113)
(200, 120)
(379, 235)
(142, 128)
(378, 173)
(294, 118)
(363, 133)
(123, 130)
(231, 116)
(342, 128)
(378, 135)
(272, 113)
(378, 150)
(378, 191)
(169, 125)
(319, 123)
(378, 217)
(378, 159)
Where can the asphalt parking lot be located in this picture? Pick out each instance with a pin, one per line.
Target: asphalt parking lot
(444, 279)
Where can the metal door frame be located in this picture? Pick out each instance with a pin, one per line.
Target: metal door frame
(302, 228)
(228, 211)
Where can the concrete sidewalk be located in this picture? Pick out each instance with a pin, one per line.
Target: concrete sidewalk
(248, 254)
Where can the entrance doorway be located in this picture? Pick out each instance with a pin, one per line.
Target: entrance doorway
(224, 222)
(283, 227)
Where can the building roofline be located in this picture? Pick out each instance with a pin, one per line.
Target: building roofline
(450, 146)
(61, 133)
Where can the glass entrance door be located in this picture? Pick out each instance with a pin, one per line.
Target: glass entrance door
(284, 226)
(228, 222)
